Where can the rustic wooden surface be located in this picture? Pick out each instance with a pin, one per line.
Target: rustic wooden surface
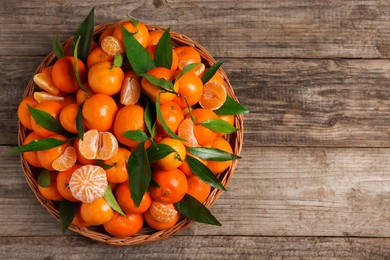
(314, 180)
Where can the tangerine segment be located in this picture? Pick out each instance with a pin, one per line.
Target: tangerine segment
(130, 91)
(46, 83)
(214, 95)
(186, 131)
(98, 145)
(66, 160)
(88, 183)
(160, 225)
(161, 212)
(44, 96)
(112, 46)
(48, 156)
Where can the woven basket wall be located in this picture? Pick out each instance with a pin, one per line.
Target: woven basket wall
(146, 234)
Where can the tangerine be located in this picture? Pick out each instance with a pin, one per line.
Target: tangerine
(97, 212)
(64, 76)
(99, 112)
(124, 226)
(173, 186)
(127, 204)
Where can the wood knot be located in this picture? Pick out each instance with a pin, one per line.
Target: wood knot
(158, 3)
(332, 121)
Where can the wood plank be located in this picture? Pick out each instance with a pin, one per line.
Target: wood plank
(342, 103)
(275, 192)
(304, 29)
(198, 247)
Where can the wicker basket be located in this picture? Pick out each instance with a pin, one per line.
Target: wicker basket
(146, 234)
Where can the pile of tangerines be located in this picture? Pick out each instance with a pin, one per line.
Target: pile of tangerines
(97, 126)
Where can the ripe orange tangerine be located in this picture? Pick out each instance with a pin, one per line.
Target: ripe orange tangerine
(124, 226)
(63, 179)
(96, 56)
(173, 116)
(187, 55)
(202, 134)
(141, 33)
(63, 74)
(127, 204)
(51, 192)
(118, 173)
(190, 88)
(53, 108)
(23, 112)
(88, 183)
(219, 167)
(105, 78)
(122, 123)
(173, 186)
(97, 212)
(172, 160)
(198, 188)
(68, 117)
(99, 112)
(32, 157)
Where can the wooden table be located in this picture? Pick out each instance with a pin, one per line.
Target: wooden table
(314, 181)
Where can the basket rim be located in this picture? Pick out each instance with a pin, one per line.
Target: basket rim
(147, 234)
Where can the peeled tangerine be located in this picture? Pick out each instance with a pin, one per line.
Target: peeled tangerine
(98, 145)
(88, 183)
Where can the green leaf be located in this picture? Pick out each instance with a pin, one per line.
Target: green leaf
(159, 151)
(219, 125)
(150, 117)
(67, 211)
(46, 120)
(161, 83)
(56, 43)
(211, 72)
(163, 53)
(137, 135)
(186, 69)
(85, 33)
(193, 209)
(104, 165)
(44, 179)
(38, 145)
(80, 123)
(204, 173)
(139, 173)
(110, 199)
(212, 154)
(118, 60)
(139, 58)
(160, 117)
(231, 107)
(76, 67)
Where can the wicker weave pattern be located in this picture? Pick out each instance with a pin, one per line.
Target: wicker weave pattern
(146, 234)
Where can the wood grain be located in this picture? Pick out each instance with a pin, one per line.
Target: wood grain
(284, 29)
(293, 102)
(198, 247)
(275, 192)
